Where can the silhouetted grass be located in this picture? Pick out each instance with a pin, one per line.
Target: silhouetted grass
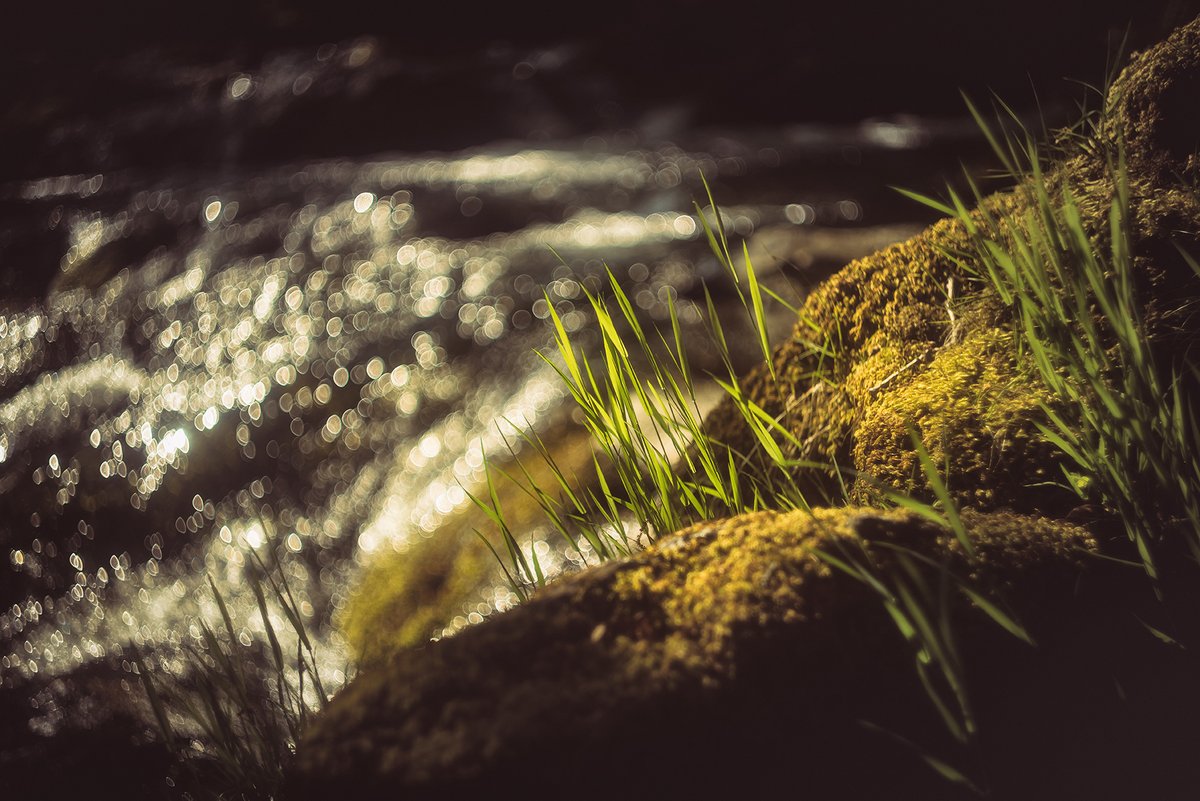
(232, 723)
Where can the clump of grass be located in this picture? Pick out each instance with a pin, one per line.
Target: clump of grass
(1123, 417)
(657, 469)
(232, 724)
(1123, 414)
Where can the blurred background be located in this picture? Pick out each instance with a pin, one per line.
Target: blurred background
(271, 272)
(93, 86)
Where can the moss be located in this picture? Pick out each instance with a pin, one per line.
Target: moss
(711, 613)
(975, 411)
(404, 598)
(918, 342)
(1153, 106)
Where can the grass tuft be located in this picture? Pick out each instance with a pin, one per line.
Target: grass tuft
(230, 723)
(658, 470)
(656, 467)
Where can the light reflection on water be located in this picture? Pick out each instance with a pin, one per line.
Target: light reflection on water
(311, 359)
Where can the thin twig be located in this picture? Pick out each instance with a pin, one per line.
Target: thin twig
(918, 358)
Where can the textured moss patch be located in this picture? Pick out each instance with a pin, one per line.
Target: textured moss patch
(406, 597)
(974, 409)
(1153, 104)
(918, 343)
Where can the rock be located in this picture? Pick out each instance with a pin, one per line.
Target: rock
(404, 597)
(916, 343)
(1154, 106)
(726, 662)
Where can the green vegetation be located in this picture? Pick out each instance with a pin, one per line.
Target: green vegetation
(405, 596)
(245, 720)
(658, 469)
(1119, 410)
(671, 472)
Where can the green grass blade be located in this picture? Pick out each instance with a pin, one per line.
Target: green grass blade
(925, 200)
(1005, 621)
(949, 507)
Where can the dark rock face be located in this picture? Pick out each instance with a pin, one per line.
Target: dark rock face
(731, 660)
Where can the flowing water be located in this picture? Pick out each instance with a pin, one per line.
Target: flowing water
(311, 355)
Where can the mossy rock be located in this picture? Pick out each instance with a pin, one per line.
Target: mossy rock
(975, 412)
(920, 342)
(918, 346)
(409, 595)
(634, 644)
(732, 661)
(1153, 107)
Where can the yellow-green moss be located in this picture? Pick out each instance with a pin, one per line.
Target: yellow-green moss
(974, 409)
(712, 582)
(405, 597)
(918, 343)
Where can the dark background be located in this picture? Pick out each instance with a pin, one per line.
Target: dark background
(77, 72)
